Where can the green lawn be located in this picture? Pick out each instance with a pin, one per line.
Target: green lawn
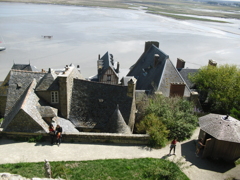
(146, 168)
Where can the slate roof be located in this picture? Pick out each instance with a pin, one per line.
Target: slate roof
(220, 128)
(48, 82)
(67, 126)
(18, 83)
(117, 124)
(156, 75)
(25, 67)
(94, 103)
(108, 62)
(24, 116)
(185, 74)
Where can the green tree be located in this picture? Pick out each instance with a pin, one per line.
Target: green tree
(175, 113)
(221, 85)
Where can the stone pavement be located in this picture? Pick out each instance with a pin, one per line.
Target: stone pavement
(197, 168)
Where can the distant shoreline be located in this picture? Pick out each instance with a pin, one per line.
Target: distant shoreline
(176, 9)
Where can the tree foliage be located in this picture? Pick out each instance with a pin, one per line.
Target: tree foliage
(175, 113)
(158, 132)
(221, 85)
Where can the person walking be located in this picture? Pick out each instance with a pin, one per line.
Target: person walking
(173, 146)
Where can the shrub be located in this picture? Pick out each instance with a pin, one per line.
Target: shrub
(155, 128)
(175, 114)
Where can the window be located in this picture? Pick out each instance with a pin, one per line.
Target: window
(54, 96)
(108, 77)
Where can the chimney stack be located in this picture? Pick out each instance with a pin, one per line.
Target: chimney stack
(180, 63)
(148, 44)
(118, 65)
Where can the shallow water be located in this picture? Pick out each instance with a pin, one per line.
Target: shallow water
(81, 33)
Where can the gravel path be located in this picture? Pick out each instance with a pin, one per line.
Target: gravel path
(196, 168)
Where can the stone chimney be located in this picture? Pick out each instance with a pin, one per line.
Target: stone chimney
(78, 68)
(180, 63)
(118, 65)
(194, 97)
(177, 89)
(212, 63)
(148, 44)
(131, 87)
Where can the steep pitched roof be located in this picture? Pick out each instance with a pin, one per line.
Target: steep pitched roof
(147, 73)
(25, 67)
(185, 74)
(117, 124)
(108, 62)
(18, 82)
(171, 75)
(24, 116)
(220, 127)
(154, 71)
(93, 103)
(48, 82)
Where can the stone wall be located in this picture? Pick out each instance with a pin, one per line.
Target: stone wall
(141, 139)
(65, 92)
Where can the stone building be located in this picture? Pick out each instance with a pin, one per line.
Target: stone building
(32, 99)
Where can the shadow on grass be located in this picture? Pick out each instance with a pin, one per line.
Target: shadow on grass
(188, 152)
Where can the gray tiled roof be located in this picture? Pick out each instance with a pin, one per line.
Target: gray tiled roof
(94, 103)
(66, 125)
(24, 116)
(171, 75)
(19, 81)
(152, 76)
(107, 58)
(147, 74)
(221, 129)
(117, 124)
(185, 74)
(48, 82)
(25, 67)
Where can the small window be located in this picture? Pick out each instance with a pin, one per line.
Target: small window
(54, 96)
(108, 77)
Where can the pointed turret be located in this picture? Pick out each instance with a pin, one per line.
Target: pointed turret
(117, 124)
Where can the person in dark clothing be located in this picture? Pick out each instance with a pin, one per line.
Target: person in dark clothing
(173, 146)
(58, 134)
(52, 133)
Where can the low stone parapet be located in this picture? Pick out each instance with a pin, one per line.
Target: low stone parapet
(86, 137)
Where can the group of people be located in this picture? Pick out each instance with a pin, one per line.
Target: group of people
(55, 134)
(199, 146)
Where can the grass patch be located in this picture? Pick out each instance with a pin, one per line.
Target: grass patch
(143, 168)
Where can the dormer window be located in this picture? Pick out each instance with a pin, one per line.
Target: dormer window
(108, 77)
(54, 97)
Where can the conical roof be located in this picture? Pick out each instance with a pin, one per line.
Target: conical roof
(117, 123)
(221, 127)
